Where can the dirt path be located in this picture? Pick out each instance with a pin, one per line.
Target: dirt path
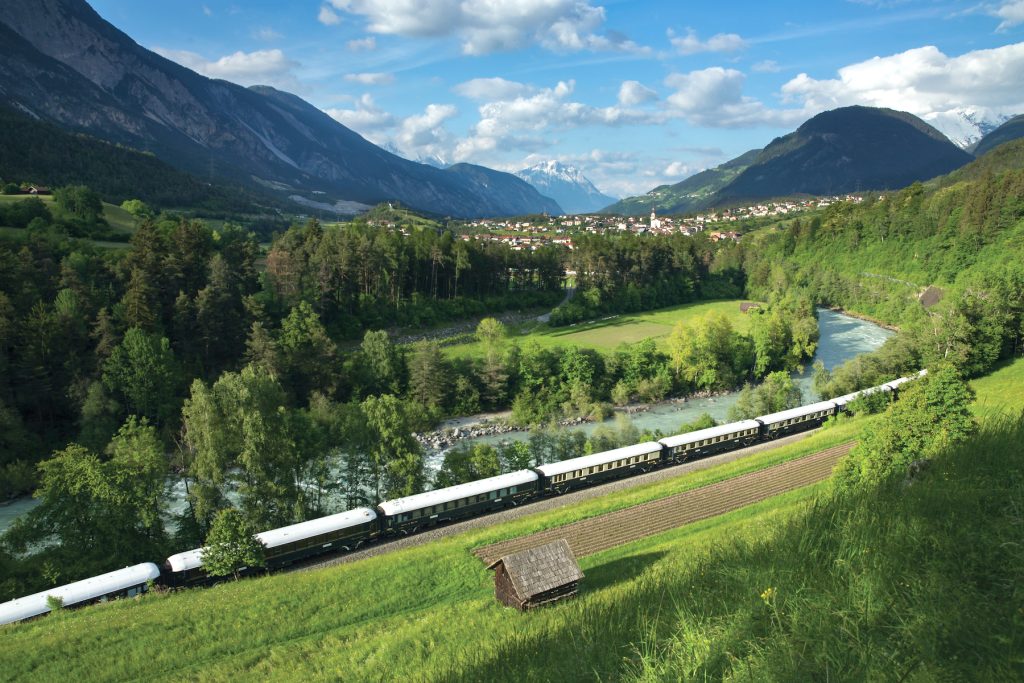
(622, 526)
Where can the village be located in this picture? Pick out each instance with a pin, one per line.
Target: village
(534, 232)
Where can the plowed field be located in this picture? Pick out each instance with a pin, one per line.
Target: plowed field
(622, 526)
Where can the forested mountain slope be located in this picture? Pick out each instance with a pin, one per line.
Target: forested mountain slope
(62, 62)
(851, 149)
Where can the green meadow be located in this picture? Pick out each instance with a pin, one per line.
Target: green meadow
(608, 333)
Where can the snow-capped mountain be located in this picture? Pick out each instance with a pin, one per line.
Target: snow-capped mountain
(966, 126)
(566, 185)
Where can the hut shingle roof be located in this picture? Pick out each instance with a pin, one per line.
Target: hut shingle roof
(541, 569)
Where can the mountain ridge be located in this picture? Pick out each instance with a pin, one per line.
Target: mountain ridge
(66, 64)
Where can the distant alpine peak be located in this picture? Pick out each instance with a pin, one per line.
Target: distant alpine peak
(965, 126)
(567, 185)
(557, 169)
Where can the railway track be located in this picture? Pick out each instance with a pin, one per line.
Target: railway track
(545, 504)
(593, 535)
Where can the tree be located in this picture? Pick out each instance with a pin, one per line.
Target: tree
(429, 379)
(142, 373)
(103, 513)
(931, 414)
(382, 363)
(232, 545)
(397, 457)
(78, 202)
(490, 332)
(307, 353)
(137, 208)
(777, 392)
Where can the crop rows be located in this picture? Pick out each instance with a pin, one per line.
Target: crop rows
(623, 526)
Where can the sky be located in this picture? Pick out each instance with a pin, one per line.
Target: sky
(634, 93)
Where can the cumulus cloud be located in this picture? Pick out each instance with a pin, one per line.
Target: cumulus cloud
(327, 16)
(424, 135)
(521, 122)
(678, 169)
(366, 118)
(922, 81)
(691, 44)
(362, 44)
(262, 67)
(1012, 14)
(714, 97)
(485, 26)
(372, 78)
(632, 93)
(491, 89)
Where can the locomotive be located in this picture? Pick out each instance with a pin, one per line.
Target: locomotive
(346, 531)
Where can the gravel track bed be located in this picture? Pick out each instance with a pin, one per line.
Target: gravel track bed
(545, 504)
(595, 534)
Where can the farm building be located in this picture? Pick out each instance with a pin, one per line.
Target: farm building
(536, 576)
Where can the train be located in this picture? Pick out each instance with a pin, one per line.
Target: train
(352, 529)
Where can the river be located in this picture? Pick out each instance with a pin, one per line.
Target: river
(842, 337)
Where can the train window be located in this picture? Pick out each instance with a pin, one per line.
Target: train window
(492, 495)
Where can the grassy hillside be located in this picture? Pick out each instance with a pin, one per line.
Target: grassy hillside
(919, 580)
(332, 620)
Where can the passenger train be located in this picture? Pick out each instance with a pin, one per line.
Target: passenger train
(349, 530)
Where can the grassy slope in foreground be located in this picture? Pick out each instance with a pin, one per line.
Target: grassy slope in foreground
(858, 585)
(440, 580)
(607, 334)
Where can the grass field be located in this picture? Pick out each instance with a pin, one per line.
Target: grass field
(692, 602)
(607, 334)
(1001, 392)
(119, 219)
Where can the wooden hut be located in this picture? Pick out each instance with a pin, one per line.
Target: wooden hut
(536, 576)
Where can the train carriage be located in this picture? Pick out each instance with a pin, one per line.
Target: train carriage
(122, 583)
(795, 420)
(343, 531)
(703, 442)
(591, 469)
(405, 515)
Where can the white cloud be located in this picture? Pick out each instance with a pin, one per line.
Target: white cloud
(767, 66)
(327, 16)
(1012, 14)
(485, 26)
(677, 169)
(632, 93)
(922, 81)
(262, 67)
(491, 89)
(367, 118)
(714, 97)
(207, 11)
(690, 44)
(521, 122)
(424, 135)
(362, 45)
(371, 78)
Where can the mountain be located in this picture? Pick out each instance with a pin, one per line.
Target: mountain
(566, 185)
(693, 194)
(515, 190)
(966, 126)
(1010, 130)
(847, 150)
(39, 152)
(61, 62)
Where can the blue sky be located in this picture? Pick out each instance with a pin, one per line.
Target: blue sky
(634, 93)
